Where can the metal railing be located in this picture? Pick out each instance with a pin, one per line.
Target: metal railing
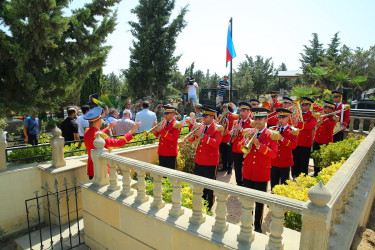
(54, 235)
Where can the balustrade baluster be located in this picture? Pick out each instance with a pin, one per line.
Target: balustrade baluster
(246, 234)
(158, 192)
(351, 124)
(126, 181)
(141, 186)
(176, 209)
(220, 225)
(276, 228)
(371, 125)
(112, 177)
(361, 121)
(197, 216)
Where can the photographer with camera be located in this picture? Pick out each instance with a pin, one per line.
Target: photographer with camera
(191, 88)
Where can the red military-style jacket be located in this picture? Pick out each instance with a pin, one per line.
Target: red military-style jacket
(89, 138)
(306, 128)
(284, 158)
(207, 153)
(168, 138)
(272, 119)
(229, 125)
(324, 133)
(236, 141)
(257, 164)
(346, 117)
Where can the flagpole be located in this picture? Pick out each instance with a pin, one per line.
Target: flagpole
(230, 73)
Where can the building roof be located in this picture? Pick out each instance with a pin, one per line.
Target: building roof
(290, 74)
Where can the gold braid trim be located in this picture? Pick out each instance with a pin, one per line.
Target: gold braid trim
(102, 135)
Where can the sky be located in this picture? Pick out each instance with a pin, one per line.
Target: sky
(270, 28)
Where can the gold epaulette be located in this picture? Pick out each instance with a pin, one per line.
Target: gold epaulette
(102, 135)
(275, 135)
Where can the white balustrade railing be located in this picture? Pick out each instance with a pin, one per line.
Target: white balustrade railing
(322, 215)
(361, 122)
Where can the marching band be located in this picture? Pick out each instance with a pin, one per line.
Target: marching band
(263, 144)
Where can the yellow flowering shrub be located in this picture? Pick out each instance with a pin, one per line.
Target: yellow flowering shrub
(299, 189)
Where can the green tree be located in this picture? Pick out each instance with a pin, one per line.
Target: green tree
(262, 74)
(91, 85)
(151, 56)
(312, 55)
(46, 54)
(333, 50)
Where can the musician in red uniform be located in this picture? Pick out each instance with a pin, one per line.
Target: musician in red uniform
(287, 141)
(257, 163)
(344, 119)
(225, 148)
(95, 121)
(287, 102)
(207, 153)
(168, 137)
(324, 130)
(301, 154)
(254, 103)
(274, 104)
(236, 137)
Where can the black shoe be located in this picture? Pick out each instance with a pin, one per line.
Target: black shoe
(258, 230)
(229, 171)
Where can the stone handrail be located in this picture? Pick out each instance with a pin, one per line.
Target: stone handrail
(278, 204)
(361, 124)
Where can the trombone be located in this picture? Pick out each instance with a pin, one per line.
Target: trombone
(147, 132)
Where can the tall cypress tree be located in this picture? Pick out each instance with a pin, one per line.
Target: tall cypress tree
(312, 55)
(46, 54)
(91, 85)
(151, 57)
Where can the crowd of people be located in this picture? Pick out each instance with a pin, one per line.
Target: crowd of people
(263, 141)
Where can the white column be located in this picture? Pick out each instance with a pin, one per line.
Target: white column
(57, 145)
(141, 185)
(361, 121)
(315, 225)
(158, 192)
(197, 216)
(220, 225)
(3, 147)
(100, 166)
(247, 208)
(126, 181)
(371, 125)
(176, 209)
(276, 228)
(113, 177)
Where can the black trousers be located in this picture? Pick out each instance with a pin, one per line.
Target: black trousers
(33, 139)
(316, 146)
(261, 186)
(226, 156)
(237, 160)
(279, 176)
(301, 157)
(338, 137)
(208, 172)
(167, 161)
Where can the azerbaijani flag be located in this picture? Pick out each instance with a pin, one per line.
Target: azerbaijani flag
(231, 53)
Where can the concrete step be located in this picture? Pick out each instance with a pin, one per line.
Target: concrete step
(24, 242)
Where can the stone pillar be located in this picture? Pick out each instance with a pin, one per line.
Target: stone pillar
(276, 228)
(220, 225)
(57, 145)
(158, 192)
(101, 177)
(197, 216)
(361, 122)
(176, 209)
(141, 186)
(126, 181)
(246, 234)
(112, 177)
(3, 147)
(316, 219)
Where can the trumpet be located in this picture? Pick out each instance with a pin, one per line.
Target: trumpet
(147, 132)
(234, 134)
(198, 126)
(246, 148)
(319, 115)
